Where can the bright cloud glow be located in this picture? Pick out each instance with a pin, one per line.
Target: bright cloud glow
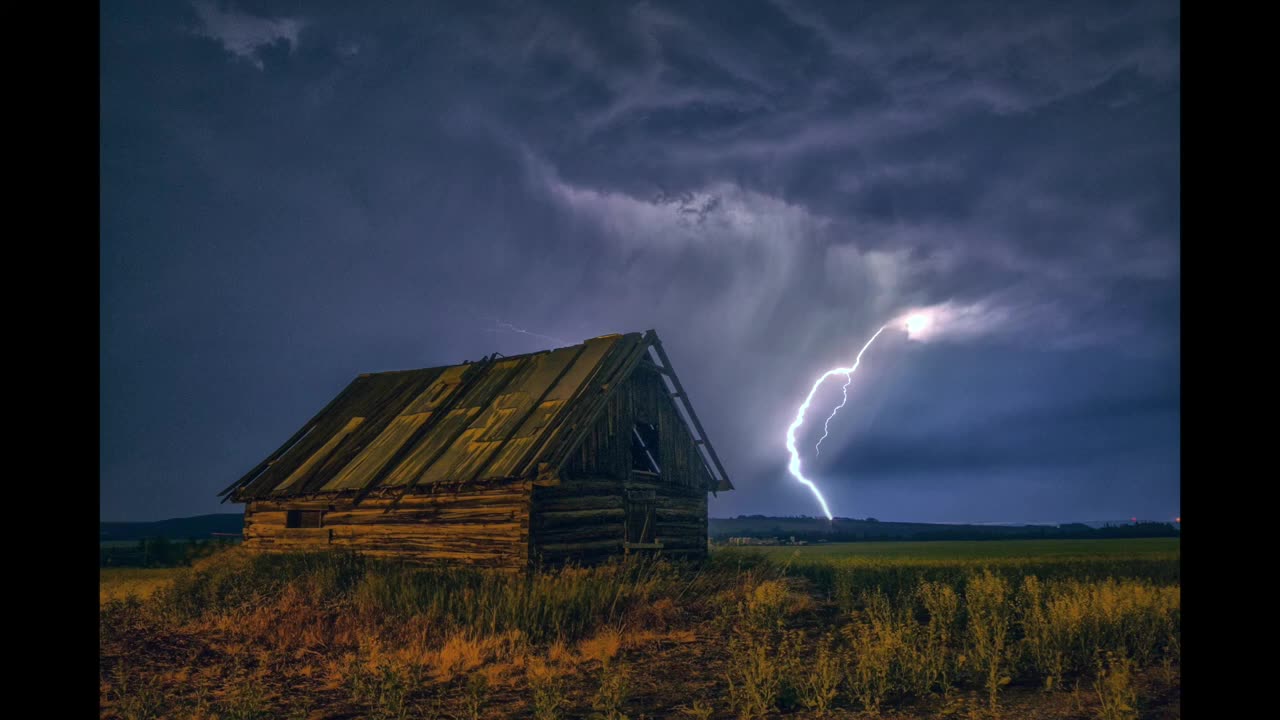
(918, 323)
(952, 321)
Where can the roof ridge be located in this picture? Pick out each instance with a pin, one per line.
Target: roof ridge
(497, 355)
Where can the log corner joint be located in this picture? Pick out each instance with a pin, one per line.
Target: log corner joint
(548, 476)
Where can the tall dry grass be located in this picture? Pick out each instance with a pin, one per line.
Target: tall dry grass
(567, 602)
(783, 636)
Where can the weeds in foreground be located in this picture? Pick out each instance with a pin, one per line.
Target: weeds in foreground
(381, 685)
(547, 688)
(138, 701)
(766, 605)
(245, 702)
(817, 678)
(986, 597)
(1077, 699)
(1117, 697)
(1169, 668)
(477, 692)
(942, 604)
(753, 675)
(612, 691)
(699, 709)
(876, 645)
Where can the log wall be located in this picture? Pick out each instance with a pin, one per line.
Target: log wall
(485, 525)
(581, 519)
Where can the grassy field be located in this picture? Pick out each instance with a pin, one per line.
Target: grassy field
(1027, 629)
(120, 583)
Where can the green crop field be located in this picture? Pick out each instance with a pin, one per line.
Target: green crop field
(971, 549)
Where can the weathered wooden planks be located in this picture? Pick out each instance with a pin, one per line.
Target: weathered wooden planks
(365, 466)
(487, 525)
(583, 547)
(556, 518)
(442, 466)
(280, 532)
(581, 520)
(579, 502)
(319, 456)
(579, 533)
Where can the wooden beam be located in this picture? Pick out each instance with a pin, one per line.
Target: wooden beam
(680, 392)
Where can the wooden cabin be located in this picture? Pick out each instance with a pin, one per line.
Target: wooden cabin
(578, 453)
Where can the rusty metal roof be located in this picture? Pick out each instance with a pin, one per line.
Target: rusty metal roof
(500, 417)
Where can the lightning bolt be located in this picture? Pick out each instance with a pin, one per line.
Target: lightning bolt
(501, 326)
(794, 466)
(826, 426)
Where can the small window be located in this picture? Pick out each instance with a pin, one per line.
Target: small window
(304, 519)
(644, 448)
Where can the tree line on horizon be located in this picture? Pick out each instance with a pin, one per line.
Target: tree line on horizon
(912, 531)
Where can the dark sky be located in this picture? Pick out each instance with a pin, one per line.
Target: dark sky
(296, 193)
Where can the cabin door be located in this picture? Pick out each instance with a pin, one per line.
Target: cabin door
(641, 519)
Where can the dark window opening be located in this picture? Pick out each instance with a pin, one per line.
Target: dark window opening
(304, 519)
(644, 448)
(641, 517)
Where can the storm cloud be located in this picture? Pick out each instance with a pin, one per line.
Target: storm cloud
(293, 195)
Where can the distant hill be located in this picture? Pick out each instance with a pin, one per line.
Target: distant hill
(200, 526)
(762, 526)
(850, 529)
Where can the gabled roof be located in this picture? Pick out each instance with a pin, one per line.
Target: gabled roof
(501, 417)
